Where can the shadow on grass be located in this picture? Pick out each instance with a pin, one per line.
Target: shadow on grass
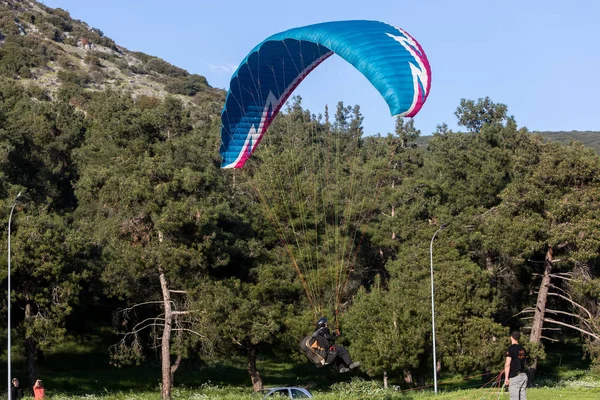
(81, 373)
(563, 361)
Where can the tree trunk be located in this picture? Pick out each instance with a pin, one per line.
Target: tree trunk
(385, 380)
(408, 378)
(30, 346)
(393, 215)
(167, 381)
(174, 368)
(489, 262)
(540, 306)
(257, 384)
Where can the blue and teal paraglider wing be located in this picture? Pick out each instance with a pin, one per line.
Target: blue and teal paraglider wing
(387, 56)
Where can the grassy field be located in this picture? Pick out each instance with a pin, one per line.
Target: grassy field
(81, 371)
(209, 392)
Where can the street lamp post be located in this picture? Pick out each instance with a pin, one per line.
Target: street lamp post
(8, 295)
(433, 308)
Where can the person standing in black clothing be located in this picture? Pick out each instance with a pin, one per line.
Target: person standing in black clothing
(16, 393)
(515, 371)
(343, 356)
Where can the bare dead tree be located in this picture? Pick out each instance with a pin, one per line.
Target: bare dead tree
(585, 322)
(177, 318)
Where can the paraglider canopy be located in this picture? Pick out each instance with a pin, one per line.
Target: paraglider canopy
(387, 56)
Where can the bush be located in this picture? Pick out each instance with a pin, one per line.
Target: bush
(140, 70)
(188, 86)
(96, 75)
(25, 73)
(77, 78)
(92, 60)
(60, 23)
(147, 102)
(141, 56)
(71, 41)
(65, 62)
(121, 64)
(104, 56)
(97, 31)
(359, 386)
(73, 94)
(210, 98)
(59, 12)
(37, 92)
(81, 32)
(33, 17)
(106, 42)
(8, 26)
(23, 51)
(163, 67)
(51, 32)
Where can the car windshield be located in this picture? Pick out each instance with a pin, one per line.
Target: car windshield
(298, 394)
(280, 394)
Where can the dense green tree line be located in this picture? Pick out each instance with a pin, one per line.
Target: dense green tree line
(125, 205)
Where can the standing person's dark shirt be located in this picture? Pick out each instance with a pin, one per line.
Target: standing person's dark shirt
(16, 393)
(518, 357)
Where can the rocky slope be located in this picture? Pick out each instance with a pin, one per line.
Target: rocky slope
(47, 48)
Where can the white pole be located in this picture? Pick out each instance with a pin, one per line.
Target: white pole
(433, 309)
(8, 295)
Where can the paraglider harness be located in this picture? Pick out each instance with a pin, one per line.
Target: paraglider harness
(318, 349)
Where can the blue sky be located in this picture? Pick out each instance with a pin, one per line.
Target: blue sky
(541, 58)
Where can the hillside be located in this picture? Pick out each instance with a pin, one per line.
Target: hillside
(587, 138)
(46, 48)
(590, 139)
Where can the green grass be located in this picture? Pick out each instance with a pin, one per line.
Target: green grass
(80, 370)
(210, 392)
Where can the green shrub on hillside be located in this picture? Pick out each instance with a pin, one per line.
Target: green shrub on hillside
(59, 23)
(51, 32)
(97, 75)
(143, 57)
(37, 92)
(71, 41)
(92, 60)
(106, 42)
(32, 17)
(147, 102)
(21, 52)
(121, 64)
(188, 86)
(7, 25)
(73, 94)
(97, 31)
(82, 32)
(78, 78)
(137, 69)
(66, 62)
(25, 73)
(59, 12)
(163, 67)
(104, 56)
